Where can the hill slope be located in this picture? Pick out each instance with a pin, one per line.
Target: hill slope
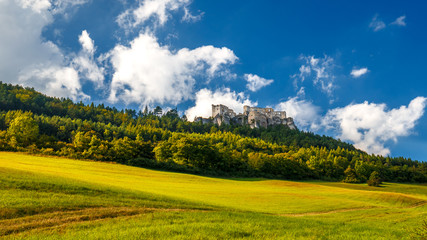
(46, 197)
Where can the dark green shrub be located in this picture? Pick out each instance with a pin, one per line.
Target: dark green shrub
(374, 179)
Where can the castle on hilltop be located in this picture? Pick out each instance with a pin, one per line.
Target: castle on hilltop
(255, 117)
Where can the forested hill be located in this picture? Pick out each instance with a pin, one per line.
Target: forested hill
(33, 122)
(14, 97)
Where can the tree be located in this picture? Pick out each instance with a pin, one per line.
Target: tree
(214, 129)
(350, 176)
(196, 152)
(163, 152)
(158, 111)
(374, 179)
(81, 141)
(23, 129)
(173, 113)
(145, 111)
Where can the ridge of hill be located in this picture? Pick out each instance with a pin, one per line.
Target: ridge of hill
(33, 122)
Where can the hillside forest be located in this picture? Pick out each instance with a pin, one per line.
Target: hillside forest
(35, 123)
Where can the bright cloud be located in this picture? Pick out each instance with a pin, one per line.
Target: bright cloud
(359, 72)
(156, 10)
(205, 98)
(188, 17)
(377, 24)
(85, 63)
(371, 125)
(87, 42)
(59, 81)
(20, 43)
(147, 72)
(256, 82)
(26, 58)
(36, 5)
(400, 21)
(53, 6)
(305, 114)
(320, 70)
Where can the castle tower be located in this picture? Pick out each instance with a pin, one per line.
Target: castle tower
(246, 110)
(218, 109)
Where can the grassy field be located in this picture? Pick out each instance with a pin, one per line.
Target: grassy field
(51, 198)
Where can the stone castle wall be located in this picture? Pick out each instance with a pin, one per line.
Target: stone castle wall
(255, 117)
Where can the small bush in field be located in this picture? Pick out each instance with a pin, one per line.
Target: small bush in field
(374, 179)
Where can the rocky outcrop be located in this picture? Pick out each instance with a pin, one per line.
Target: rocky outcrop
(253, 116)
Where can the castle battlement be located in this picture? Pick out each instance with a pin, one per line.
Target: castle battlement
(255, 117)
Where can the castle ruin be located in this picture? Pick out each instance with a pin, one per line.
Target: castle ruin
(255, 117)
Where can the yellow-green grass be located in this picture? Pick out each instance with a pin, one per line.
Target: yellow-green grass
(84, 199)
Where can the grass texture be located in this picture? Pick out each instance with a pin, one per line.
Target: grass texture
(59, 198)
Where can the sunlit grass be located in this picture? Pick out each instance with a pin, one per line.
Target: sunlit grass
(366, 224)
(47, 197)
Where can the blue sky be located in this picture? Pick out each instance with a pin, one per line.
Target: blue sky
(349, 69)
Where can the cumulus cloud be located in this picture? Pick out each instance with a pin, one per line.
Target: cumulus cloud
(156, 10)
(87, 43)
(147, 72)
(305, 113)
(36, 5)
(20, 43)
(369, 126)
(256, 82)
(26, 58)
(57, 81)
(205, 98)
(85, 63)
(359, 72)
(377, 24)
(63, 78)
(54, 6)
(319, 70)
(400, 21)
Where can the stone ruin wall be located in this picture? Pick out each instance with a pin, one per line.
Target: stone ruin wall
(255, 117)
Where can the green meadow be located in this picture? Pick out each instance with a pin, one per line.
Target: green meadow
(59, 198)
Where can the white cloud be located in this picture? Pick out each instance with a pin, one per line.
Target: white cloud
(377, 24)
(62, 5)
(62, 79)
(369, 126)
(256, 82)
(359, 72)
(85, 63)
(20, 43)
(188, 17)
(53, 6)
(26, 58)
(205, 98)
(156, 10)
(87, 42)
(304, 113)
(38, 6)
(147, 72)
(57, 81)
(400, 21)
(320, 70)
